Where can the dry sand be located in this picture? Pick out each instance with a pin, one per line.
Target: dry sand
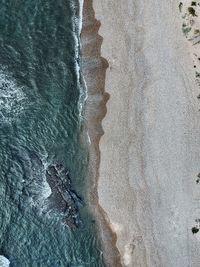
(150, 152)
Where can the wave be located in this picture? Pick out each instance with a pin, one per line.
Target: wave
(12, 97)
(35, 188)
(77, 36)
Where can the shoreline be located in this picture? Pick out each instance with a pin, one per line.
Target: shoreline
(94, 67)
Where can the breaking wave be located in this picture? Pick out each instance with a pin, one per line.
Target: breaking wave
(4, 262)
(12, 97)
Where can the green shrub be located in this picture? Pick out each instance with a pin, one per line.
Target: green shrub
(191, 10)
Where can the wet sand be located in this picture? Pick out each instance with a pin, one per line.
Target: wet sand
(94, 68)
(149, 155)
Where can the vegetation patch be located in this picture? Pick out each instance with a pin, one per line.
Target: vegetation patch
(186, 30)
(191, 10)
(197, 74)
(195, 230)
(180, 6)
(196, 31)
(191, 30)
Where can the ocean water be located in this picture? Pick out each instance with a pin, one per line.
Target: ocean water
(44, 218)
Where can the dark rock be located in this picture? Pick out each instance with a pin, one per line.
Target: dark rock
(63, 199)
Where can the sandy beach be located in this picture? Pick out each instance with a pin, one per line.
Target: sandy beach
(149, 155)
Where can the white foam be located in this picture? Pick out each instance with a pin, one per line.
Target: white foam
(4, 262)
(11, 96)
(81, 2)
(46, 190)
(78, 24)
(88, 137)
(83, 96)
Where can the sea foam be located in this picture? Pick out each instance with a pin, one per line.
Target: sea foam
(11, 97)
(4, 262)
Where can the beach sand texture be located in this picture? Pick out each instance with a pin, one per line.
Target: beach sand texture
(150, 151)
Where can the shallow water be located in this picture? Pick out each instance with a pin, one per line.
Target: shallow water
(40, 126)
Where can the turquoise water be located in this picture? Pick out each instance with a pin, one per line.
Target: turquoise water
(40, 128)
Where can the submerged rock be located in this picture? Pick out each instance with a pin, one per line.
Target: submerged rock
(63, 199)
(47, 188)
